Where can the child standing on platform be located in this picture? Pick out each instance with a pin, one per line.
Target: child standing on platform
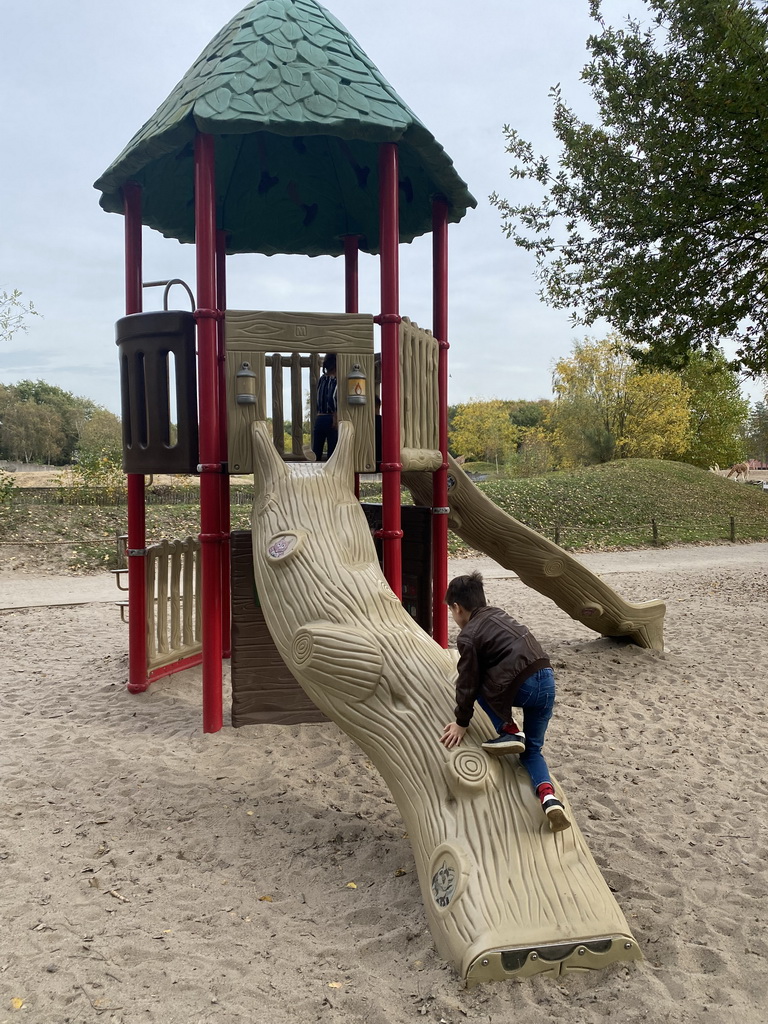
(326, 426)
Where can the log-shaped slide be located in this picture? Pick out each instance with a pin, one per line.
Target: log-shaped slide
(539, 563)
(504, 896)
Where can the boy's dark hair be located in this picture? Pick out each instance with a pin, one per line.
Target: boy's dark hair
(466, 591)
(329, 363)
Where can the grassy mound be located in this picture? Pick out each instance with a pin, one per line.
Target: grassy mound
(594, 508)
(615, 504)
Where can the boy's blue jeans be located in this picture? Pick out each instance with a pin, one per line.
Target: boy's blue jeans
(537, 699)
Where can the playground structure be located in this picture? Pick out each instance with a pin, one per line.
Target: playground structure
(283, 137)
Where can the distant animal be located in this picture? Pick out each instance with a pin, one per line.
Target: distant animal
(740, 471)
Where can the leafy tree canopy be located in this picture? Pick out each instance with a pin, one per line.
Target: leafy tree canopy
(607, 409)
(43, 423)
(757, 433)
(657, 216)
(483, 430)
(718, 412)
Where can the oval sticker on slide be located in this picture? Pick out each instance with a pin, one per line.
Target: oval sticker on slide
(281, 545)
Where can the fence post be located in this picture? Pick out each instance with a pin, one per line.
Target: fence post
(655, 528)
(557, 533)
(733, 529)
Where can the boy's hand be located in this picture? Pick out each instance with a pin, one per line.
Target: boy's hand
(453, 734)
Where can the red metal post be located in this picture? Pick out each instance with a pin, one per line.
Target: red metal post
(137, 536)
(391, 466)
(221, 305)
(210, 448)
(351, 287)
(351, 293)
(440, 477)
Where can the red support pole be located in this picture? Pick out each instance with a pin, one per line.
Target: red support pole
(391, 466)
(351, 287)
(137, 535)
(440, 477)
(351, 293)
(210, 468)
(221, 305)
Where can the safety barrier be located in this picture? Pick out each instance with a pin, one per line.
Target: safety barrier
(173, 608)
(419, 419)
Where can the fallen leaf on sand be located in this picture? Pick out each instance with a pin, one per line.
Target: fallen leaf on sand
(17, 1003)
(351, 885)
(265, 899)
(335, 984)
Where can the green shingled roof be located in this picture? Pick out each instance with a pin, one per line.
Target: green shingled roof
(298, 111)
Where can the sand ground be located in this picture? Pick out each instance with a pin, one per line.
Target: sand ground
(149, 872)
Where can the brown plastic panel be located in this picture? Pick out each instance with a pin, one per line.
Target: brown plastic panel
(146, 341)
(263, 688)
(416, 524)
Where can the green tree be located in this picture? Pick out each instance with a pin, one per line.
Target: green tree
(719, 413)
(757, 433)
(43, 423)
(100, 438)
(529, 414)
(534, 454)
(98, 460)
(657, 216)
(19, 433)
(607, 408)
(483, 430)
(13, 313)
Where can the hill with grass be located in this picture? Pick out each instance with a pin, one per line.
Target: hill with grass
(616, 504)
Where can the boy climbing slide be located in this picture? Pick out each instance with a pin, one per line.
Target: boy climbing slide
(501, 666)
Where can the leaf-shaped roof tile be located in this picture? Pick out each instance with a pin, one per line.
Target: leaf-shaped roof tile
(298, 111)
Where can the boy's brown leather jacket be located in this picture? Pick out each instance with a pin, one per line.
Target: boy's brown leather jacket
(497, 655)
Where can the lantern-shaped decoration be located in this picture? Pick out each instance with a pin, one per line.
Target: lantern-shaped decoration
(356, 386)
(245, 380)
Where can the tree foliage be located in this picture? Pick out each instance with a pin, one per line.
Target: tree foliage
(483, 430)
(657, 216)
(608, 409)
(13, 313)
(44, 423)
(718, 412)
(757, 433)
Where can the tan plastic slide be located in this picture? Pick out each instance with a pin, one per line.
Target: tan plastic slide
(504, 896)
(539, 563)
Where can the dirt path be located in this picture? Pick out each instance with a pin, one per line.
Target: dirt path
(29, 590)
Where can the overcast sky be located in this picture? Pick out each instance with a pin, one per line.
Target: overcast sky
(79, 78)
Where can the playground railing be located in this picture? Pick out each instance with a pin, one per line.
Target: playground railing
(173, 609)
(419, 398)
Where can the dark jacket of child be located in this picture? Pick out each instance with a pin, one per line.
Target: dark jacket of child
(497, 655)
(326, 395)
